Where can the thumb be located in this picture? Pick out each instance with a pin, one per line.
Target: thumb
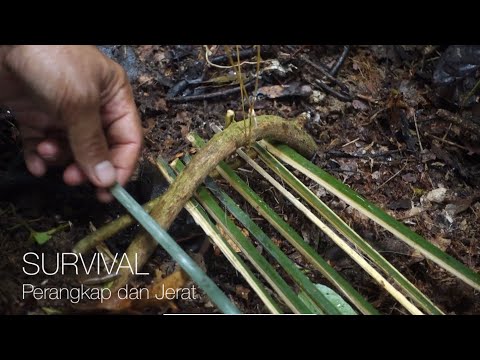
(90, 149)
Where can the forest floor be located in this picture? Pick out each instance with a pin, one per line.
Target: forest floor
(380, 132)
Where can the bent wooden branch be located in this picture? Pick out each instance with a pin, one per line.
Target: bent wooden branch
(222, 145)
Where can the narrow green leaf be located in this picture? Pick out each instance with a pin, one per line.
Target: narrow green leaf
(291, 235)
(41, 237)
(347, 231)
(351, 252)
(249, 250)
(51, 311)
(333, 297)
(203, 220)
(370, 210)
(288, 265)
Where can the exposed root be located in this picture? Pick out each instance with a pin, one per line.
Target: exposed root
(222, 145)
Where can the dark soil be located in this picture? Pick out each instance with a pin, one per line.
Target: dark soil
(370, 142)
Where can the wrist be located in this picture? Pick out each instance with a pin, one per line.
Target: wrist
(7, 79)
(4, 51)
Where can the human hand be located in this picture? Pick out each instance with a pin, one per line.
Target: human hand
(72, 103)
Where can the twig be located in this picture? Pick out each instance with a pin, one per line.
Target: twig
(472, 92)
(446, 132)
(333, 92)
(143, 83)
(174, 250)
(217, 149)
(418, 133)
(392, 177)
(351, 142)
(337, 153)
(448, 142)
(340, 61)
(177, 89)
(324, 72)
(244, 54)
(467, 125)
(345, 96)
(222, 93)
(295, 52)
(108, 230)
(209, 62)
(366, 98)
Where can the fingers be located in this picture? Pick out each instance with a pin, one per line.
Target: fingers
(30, 138)
(41, 142)
(104, 196)
(90, 99)
(73, 175)
(124, 132)
(54, 151)
(35, 164)
(89, 147)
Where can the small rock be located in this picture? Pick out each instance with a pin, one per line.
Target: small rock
(359, 105)
(414, 211)
(437, 195)
(376, 175)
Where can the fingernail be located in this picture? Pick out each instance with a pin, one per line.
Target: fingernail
(35, 165)
(105, 172)
(47, 149)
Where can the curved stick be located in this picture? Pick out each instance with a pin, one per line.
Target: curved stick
(218, 148)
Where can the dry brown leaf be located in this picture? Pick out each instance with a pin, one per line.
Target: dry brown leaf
(176, 280)
(114, 303)
(144, 51)
(414, 211)
(162, 290)
(459, 205)
(157, 295)
(417, 256)
(182, 117)
(280, 91)
(242, 291)
(216, 250)
(143, 79)
(184, 130)
(161, 104)
(441, 242)
(150, 122)
(168, 143)
(276, 241)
